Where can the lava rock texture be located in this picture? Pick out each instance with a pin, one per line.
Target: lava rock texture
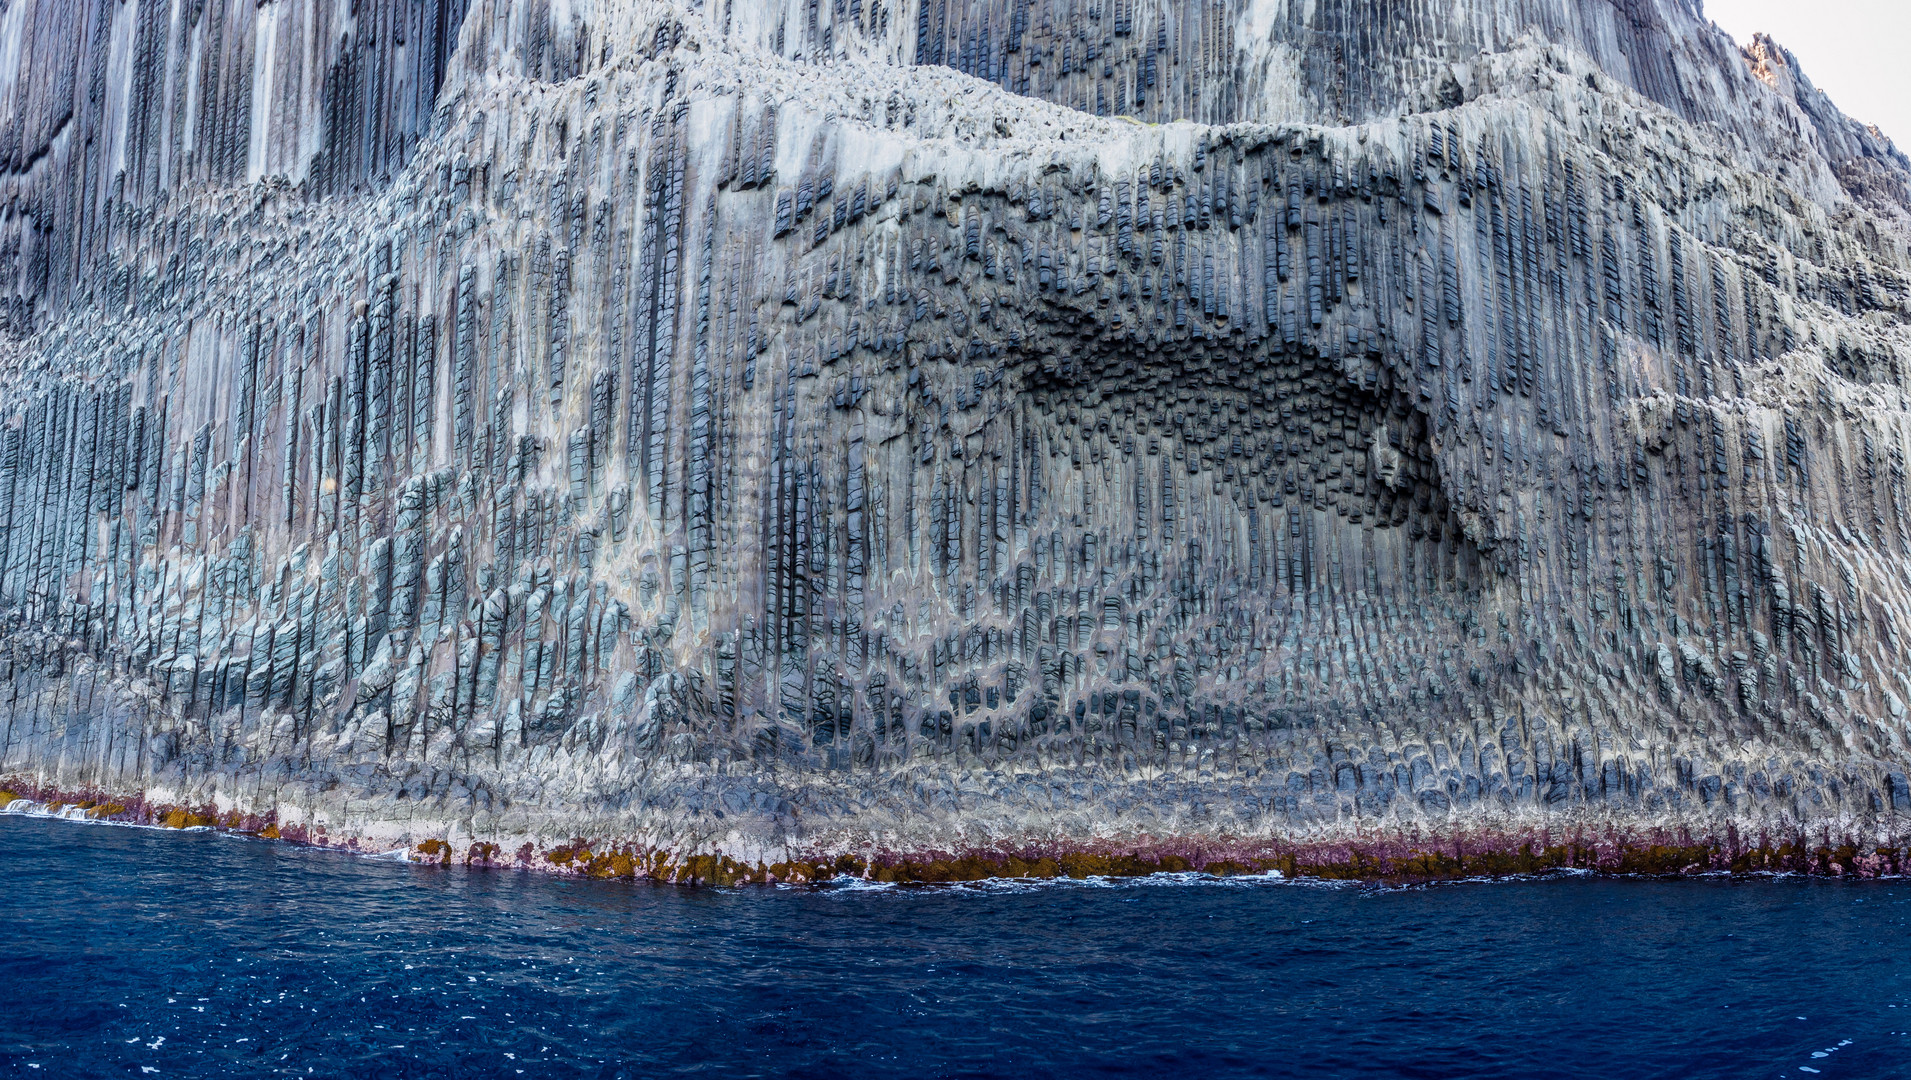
(752, 429)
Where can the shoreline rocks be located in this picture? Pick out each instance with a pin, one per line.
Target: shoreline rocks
(1605, 849)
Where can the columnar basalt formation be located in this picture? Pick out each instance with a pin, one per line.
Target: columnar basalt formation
(892, 427)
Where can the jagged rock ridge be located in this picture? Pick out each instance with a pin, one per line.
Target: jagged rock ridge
(725, 428)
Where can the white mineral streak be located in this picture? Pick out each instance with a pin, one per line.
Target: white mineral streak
(722, 427)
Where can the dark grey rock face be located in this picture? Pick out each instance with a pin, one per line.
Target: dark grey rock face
(720, 427)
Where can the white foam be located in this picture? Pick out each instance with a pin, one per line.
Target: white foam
(845, 883)
(30, 808)
(402, 854)
(1165, 879)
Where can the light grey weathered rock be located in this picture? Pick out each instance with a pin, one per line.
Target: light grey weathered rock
(774, 429)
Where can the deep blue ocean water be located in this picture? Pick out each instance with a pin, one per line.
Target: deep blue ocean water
(130, 952)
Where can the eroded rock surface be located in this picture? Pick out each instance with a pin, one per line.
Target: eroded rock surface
(772, 429)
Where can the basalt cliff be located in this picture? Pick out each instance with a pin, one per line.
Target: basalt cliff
(744, 438)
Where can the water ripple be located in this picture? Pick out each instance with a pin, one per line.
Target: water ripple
(141, 952)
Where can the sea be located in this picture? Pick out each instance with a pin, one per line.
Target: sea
(130, 951)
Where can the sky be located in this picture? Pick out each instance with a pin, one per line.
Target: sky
(1853, 50)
